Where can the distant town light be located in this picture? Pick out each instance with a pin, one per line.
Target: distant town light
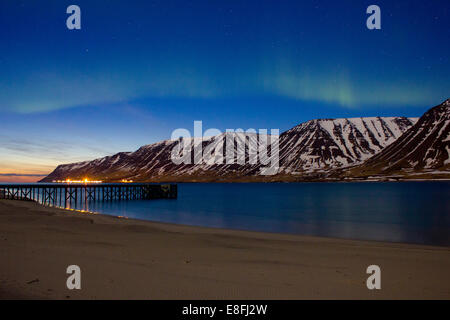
(85, 180)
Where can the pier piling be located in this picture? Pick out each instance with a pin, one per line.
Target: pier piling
(64, 193)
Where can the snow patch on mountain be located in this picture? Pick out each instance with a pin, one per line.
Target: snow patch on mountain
(338, 143)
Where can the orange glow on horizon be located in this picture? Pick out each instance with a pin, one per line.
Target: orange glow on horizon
(20, 179)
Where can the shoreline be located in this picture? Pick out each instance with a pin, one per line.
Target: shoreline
(384, 179)
(169, 224)
(137, 259)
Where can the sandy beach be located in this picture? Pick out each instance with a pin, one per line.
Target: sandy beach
(131, 259)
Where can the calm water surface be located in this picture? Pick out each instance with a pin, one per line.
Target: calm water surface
(414, 212)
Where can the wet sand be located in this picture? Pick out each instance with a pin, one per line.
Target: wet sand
(132, 259)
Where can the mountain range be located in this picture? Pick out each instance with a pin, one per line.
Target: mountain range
(367, 148)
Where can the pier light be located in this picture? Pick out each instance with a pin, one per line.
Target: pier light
(85, 181)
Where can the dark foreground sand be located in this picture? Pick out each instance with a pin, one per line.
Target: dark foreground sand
(130, 259)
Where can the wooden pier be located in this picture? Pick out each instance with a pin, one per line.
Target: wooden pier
(66, 194)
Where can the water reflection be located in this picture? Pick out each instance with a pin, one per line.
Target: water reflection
(415, 212)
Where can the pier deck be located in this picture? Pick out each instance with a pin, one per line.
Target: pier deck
(65, 194)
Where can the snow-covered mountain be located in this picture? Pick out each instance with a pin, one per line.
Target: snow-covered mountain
(155, 162)
(324, 144)
(314, 146)
(423, 149)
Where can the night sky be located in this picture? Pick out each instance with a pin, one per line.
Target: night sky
(137, 70)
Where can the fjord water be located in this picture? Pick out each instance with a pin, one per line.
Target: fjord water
(412, 212)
